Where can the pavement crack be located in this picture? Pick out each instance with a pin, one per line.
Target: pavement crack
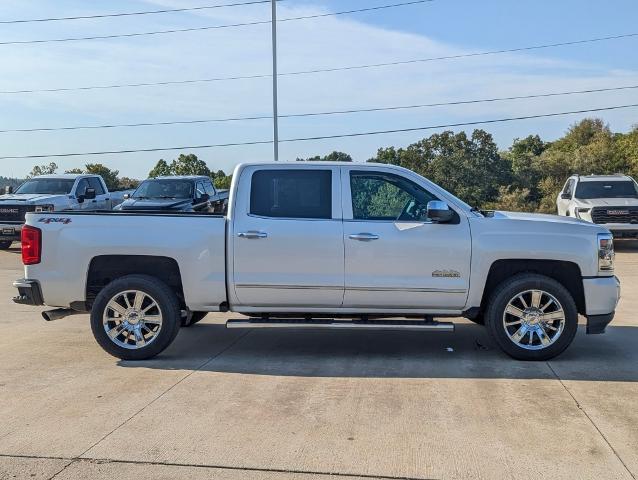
(221, 352)
(591, 420)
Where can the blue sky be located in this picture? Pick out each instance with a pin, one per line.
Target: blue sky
(442, 27)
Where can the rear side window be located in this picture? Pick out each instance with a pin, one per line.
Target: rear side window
(291, 194)
(95, 183)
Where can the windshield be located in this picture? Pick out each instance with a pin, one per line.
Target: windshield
(51, 186)
(613, 189)
(164, 189)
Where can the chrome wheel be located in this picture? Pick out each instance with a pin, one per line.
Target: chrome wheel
(132, 319)
(533, 319)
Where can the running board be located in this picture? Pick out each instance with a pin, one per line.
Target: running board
(342, 324)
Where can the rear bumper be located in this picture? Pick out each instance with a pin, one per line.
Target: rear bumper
(29, 292)
(10, 231)
(601, 298)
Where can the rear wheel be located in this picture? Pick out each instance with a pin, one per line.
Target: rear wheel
(5, 244)
(135, 317)
(532, 317)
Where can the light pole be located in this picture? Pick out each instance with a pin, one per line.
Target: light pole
(275, 114)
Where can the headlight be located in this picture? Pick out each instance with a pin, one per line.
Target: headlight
(581, 210)
(44, 208)
(605, 252)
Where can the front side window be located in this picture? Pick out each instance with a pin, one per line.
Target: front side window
(613, 189)
(95, 183)
(210, 190)
(50, 186)
(385, 196)
(569, 188)
(291, 193)
(82, 186)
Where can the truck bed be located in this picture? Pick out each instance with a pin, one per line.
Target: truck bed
(74, 240)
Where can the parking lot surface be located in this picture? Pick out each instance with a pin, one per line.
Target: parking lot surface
(266, 405)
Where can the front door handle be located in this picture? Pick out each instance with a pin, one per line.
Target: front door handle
(364, 237)
(252, 235)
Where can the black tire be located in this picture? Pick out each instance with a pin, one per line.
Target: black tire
(510, 288)
(167, 304)
(5, 244)
(195, 318)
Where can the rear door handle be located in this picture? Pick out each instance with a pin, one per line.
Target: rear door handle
(252, 235)
(364, 237)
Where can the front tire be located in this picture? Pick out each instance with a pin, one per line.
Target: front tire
(135, 317)
(532, 317)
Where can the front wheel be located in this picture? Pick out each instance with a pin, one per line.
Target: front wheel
(532, 317)
(135, 317)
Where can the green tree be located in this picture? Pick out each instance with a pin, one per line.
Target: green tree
(189, 165)
(43, 170)
(126, 183)
(160, 169)
(221, 180)
(110, 176)
(331, 157)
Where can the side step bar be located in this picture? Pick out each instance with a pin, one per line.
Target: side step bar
(342, 324)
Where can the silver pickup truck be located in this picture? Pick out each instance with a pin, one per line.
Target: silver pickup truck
(52, 193)
(323, 246)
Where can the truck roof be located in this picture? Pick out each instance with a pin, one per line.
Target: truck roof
(317, 164)
(602, 178)
(70, 176)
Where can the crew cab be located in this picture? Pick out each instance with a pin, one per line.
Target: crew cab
(330, 246)
(608, 200)
(49, 193)
(175, 194)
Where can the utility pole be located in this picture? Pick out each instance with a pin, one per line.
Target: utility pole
(275, 113)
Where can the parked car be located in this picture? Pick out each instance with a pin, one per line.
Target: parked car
(175, 194)
(330, 246)
(608, 200)
(52, 193)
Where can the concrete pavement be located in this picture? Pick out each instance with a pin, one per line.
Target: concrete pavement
(272, 404)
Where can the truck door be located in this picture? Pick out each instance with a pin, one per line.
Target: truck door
(102, 199)
(395, 257)
(287, 238)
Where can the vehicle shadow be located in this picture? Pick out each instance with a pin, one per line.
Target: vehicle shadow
(628, 246)
(467, 353)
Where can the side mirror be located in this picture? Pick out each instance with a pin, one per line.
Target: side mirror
(565, 196)
(8, 190)
(439, 212)
(89, 194)
(204, 198)
(127, 196)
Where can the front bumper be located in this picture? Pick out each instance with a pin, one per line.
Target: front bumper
(601, 298)
(10, 231)
(29, 292)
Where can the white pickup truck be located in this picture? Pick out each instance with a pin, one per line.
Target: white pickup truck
(49, 193)
(333, 246)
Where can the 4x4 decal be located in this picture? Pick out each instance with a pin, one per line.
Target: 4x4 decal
(64, 220)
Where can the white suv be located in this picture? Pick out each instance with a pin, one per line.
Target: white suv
(608, 200)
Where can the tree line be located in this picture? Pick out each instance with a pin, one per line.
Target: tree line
(527, 176)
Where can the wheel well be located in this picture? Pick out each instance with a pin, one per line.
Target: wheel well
(106, 268)
(566, 273)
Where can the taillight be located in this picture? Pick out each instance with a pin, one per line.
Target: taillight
(31, 239)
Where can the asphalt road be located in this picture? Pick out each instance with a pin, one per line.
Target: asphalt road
(314, 405)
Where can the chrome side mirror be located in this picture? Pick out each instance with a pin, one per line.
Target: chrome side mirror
(439, 212)
(565, 196)
(126, 196)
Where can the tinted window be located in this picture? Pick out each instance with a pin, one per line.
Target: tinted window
(381, 196)
(291, 193)
(208, 187)
(82, 186)
(164, 189)
(569, 187)
(95, 183)
(52, 186)
(613, 189)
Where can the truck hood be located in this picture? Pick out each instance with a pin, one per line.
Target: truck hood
(544, 218)
(608, 202)
(156, 204)
(30, 197)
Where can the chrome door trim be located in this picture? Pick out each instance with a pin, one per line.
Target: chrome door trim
(407, 289)
(290, 287)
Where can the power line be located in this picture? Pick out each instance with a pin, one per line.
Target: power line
(130, 14)
(213, 27)
(322, 70)
(322, 137)
(316, 114)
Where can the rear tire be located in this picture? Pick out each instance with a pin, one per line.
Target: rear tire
(5, 244)
(135, 317)
(532, 317)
